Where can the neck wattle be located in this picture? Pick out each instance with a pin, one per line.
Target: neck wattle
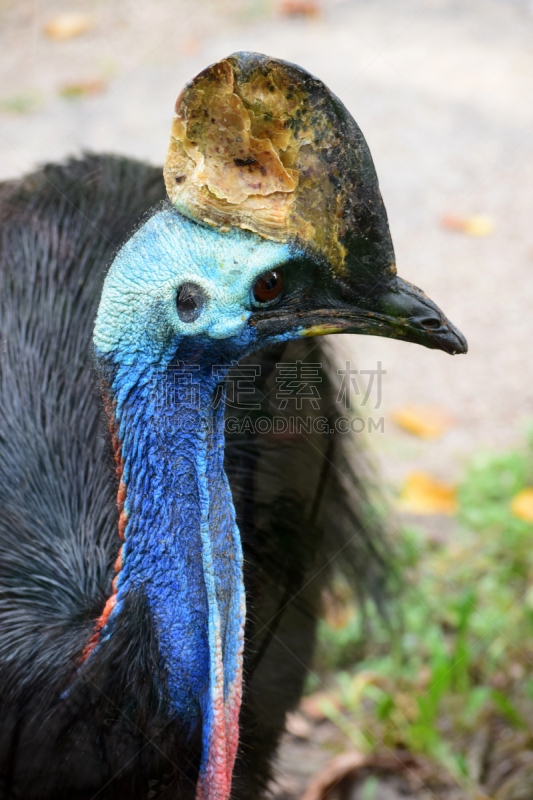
(182, 548)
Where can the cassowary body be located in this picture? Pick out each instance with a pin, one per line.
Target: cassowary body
(109, 734)
(130, 548)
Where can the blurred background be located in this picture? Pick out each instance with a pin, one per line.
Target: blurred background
(443, 92)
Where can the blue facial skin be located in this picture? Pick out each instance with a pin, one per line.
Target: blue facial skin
(137, 316)
(182, 547)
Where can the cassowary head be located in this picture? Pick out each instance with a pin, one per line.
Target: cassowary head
(276, 230)
(289, 235)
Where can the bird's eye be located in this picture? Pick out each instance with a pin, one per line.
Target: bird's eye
(189, 301)
(268, 286)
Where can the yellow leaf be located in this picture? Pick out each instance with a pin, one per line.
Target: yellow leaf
(299, 8)
(475, 225)
(522, 505)
(428, 422)
(66, 26)
(478, 225)
(77, 90)
(423, 494)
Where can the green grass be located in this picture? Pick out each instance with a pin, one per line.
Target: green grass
(464, 656)
(21, 102)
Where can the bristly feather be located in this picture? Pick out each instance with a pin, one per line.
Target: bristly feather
(301, 509)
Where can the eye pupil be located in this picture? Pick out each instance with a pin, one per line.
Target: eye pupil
(268, 286)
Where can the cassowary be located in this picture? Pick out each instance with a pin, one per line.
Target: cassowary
(153, 581)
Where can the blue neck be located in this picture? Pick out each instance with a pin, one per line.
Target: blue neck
(182, 547)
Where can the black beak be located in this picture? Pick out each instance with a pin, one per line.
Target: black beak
(407, 313)
(397, 310)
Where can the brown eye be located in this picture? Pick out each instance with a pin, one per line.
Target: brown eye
(268, 286)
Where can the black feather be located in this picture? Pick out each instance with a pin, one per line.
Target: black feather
(301, 509)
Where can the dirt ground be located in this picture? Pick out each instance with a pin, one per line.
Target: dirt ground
(442, 90)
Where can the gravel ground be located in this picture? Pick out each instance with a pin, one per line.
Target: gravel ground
(442, 91)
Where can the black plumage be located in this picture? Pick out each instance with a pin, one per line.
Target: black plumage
(301, 510)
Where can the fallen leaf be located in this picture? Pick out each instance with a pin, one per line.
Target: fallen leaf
(423, 494)
(298, 726)
(345, 769)
(73, 91)
(313, 704)
(475, 225)
(428, 422)
(299, 8)
(339, 767)
(522, 505)
(66, 26)
(478, 226)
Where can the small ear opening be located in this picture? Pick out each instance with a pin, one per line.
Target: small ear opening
(190, 301)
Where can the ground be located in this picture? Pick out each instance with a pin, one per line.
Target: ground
(442, 91)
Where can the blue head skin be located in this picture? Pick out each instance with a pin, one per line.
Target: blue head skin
(176, 311)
